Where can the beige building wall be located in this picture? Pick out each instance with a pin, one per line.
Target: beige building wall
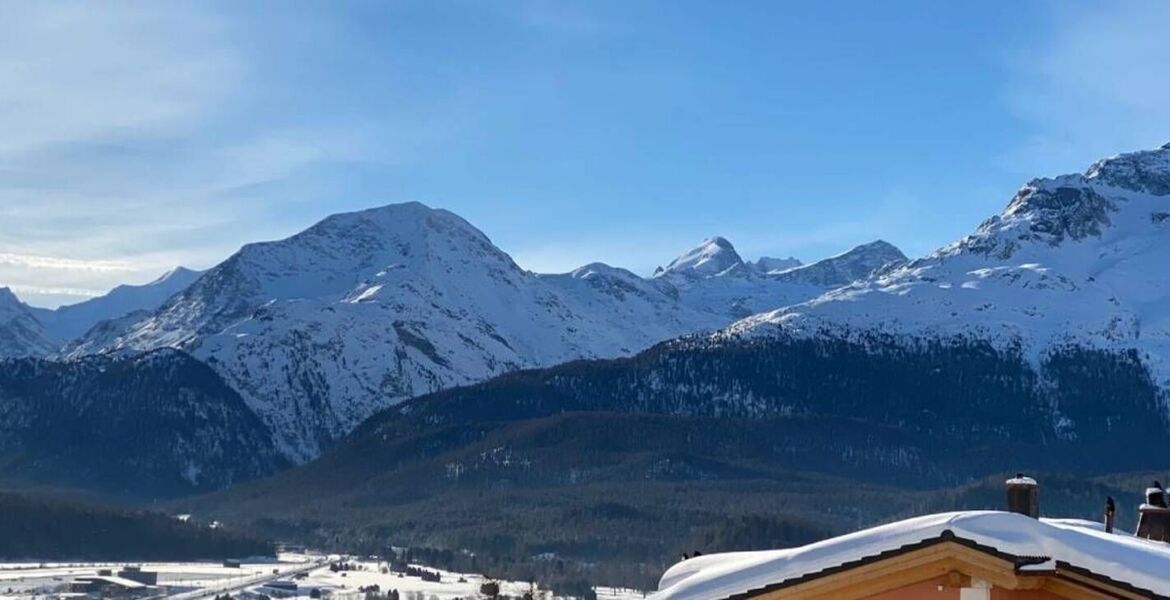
(938, 589)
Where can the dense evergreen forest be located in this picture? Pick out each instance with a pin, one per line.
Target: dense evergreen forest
(37, 528)
(151, 425)
(617, 467)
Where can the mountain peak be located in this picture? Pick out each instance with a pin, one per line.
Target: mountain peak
(879, 247)
(400, 212)
(598, 269)
(6, 295)
(10, 306)
(768, 264)
(21, 334)
(714, 256)
(847, 267)
(1143, 171)
(397, 224)
(177, 273)
(1048, 212)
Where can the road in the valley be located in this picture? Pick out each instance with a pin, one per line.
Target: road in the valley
(235, 585)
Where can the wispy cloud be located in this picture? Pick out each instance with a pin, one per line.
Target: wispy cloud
(133, 142)
(76, 71)
(1091, 83)
(65, 264)
(41, 291)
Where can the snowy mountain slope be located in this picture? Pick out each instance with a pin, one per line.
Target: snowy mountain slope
(70, 322)
(364, 309)
(768, 264)
(712, 258)
(1076, 258)
(21, 334)
(713, 278)
(845, 268)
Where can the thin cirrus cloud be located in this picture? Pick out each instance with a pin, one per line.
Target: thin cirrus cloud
(141, 136)
(64, 264)
(73, 72)
(85, 88)
(1090, 85)
(128, 142)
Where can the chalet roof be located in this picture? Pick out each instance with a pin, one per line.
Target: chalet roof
(1032, 544)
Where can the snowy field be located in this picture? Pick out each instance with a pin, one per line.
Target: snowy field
(451, 586)
(180, 580)
(195, 580)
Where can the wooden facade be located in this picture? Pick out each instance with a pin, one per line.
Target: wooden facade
(949, 568)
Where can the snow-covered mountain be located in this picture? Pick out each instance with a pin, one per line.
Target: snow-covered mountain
(365, 309)
(713, 277)
(768, 264)
(70, 322)
(21, 334)
(847, 267)
(1074, 259)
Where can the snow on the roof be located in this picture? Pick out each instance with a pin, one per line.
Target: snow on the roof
(114, 580)
(1083, 544)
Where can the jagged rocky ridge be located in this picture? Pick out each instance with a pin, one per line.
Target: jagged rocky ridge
(365, 309)
(714, 278)
(1077, 259)
(33, 331)
(69, 322)
(21, 334)
(160, 423)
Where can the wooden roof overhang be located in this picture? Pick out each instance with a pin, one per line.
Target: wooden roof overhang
(954, 558)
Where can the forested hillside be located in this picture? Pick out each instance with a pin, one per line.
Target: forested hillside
(36, 528)
(626, 463)
(152, 425)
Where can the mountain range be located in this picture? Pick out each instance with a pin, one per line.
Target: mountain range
(1042, 334)
(363, 310)
(33, 331)
(1037, 343)
(71, 321)
(1077, 259)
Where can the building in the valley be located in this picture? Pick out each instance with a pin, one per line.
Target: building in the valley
(282, 588)
(110, 586)
(971, 555)
(135, 573)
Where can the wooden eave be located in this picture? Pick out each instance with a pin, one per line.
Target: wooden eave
(958, 560)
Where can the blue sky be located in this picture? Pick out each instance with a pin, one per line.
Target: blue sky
(136, 136)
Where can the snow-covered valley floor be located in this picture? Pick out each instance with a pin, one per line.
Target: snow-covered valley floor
(311, 574)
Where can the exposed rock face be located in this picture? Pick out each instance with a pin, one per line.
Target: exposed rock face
(21, 334)
(69, 322)
(365, 309)
(1076, 259)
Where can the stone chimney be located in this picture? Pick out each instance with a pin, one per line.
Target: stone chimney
(1023, 496)
(1154, 515)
